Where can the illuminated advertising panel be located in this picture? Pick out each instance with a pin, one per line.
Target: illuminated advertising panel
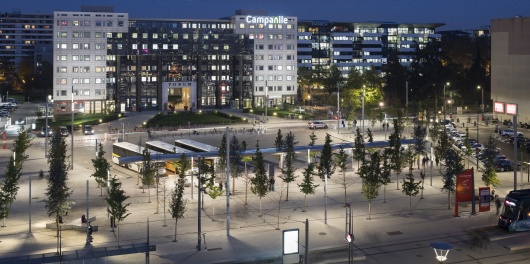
(511, 109)
(290, 241)
(498, 107)
(266, 20)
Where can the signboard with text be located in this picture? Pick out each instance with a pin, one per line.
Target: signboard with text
(498, 107)
(511, 109)
(485, 197)
(464, 186)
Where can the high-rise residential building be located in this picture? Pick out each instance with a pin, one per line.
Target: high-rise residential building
(80, 43)
(24, 35)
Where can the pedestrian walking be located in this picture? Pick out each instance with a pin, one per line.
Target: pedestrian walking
(220, 186)
(343, 125)
(497, 203)
(437, 161)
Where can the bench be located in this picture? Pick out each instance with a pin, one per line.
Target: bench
(74, 225)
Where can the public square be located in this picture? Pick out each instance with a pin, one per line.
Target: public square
(391, 236)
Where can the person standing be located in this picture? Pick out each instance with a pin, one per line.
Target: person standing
(497, 203)
(271, 184)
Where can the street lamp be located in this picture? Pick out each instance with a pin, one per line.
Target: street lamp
(445, 106)
(46, 128)
(478, 87)
(362, 115)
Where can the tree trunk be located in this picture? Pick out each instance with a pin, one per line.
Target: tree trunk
(422, 189)
(397, 181)
(287, 196)
(149, 193)
(246, 183)
(449, 200)
(233, 185)
(369, 209)
(345, 195)
(260, 207)
(384, 193)
(213, 208)
(100, 190)
(175, 239)
(410, 204)
(305, 199)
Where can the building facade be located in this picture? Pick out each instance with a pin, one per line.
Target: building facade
(22, 36)
(103, 61)
(81, 42)
(351, 45)
(510, 64)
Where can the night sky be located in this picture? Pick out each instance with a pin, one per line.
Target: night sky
(456, 14)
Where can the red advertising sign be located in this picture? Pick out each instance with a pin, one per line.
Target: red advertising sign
(498, 107)
(511, 109)
(464, 186)
(485, 197)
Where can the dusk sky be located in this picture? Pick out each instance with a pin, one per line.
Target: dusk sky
(456, 14)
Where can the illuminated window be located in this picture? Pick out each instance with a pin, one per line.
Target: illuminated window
(99, 68)
(241, 25)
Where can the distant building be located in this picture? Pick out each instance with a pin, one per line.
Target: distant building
(107, 61)
(510, 64)
(360, 45)
(23, 35)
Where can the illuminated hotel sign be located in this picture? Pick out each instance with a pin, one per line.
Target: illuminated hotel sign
(267, 20)
(498, 107)
(511, 109)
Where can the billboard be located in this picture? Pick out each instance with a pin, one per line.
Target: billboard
(498, 107)
(290, 241)
(511, 109)
(464, 186)
(485, 196)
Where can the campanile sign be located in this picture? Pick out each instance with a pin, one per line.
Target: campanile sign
(266, 20)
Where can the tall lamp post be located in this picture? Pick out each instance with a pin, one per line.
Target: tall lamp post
(482, 90)
(445, 105)
(338, 108)
(46, 128)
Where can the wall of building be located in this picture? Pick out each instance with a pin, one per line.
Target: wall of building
(510, 64)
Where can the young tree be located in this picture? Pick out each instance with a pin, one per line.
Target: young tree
(236, 155)
(370, 135)
(411, 188)
(453, 166)
(115, 198)
(369, 172)
(396, 150)
(177, 205)
(260, 181)
(278, 142)
(207, 179)
(183, 165)
(359, 150)
(341, 161)
(441, 148)
(58, 193)
(308, 186)
(386, 171)
(326, 165)
(214, 191)
(9, 188)
(149, 169)
(489, 176)
(468, 151)
(21, 144)
(246, 159)
(418, 136)
(221, 163)
(101, 166)
(290, 156)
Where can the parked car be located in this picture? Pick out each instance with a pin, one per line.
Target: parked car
(505, 165)
(316, 124)
(88, 130)
(64, 131)
(510, 133)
